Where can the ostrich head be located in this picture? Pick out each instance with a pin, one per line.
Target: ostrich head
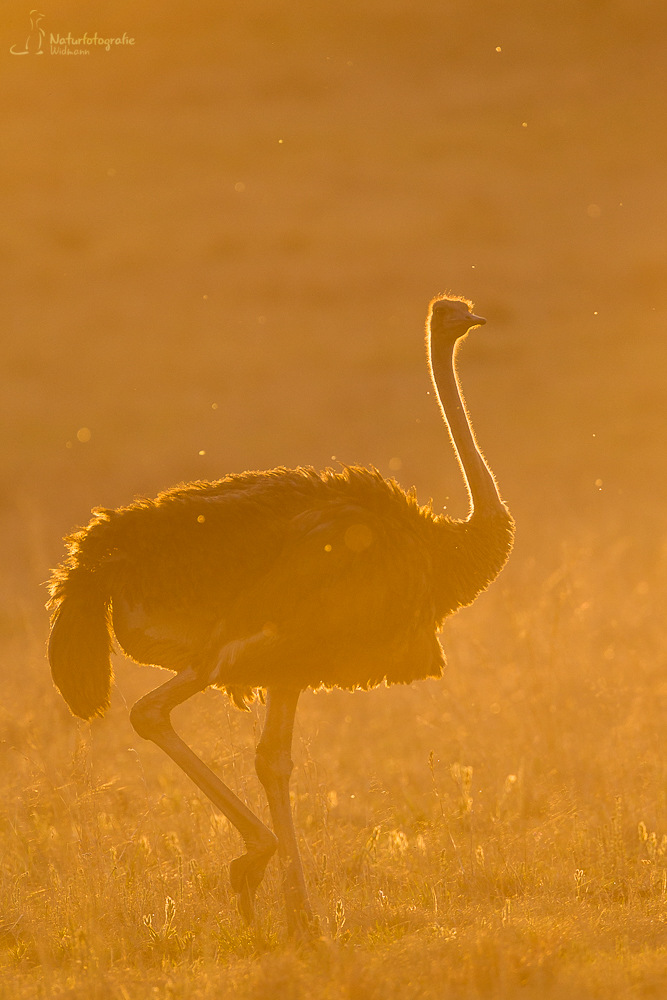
(449, 319)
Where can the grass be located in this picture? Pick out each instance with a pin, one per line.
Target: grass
(499, 834)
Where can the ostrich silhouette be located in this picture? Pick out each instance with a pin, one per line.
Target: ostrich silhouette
(275, 582)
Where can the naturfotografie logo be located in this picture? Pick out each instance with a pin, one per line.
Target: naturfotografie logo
(70, 44)
(34, 43)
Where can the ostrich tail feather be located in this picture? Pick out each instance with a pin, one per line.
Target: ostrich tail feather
(80, 642)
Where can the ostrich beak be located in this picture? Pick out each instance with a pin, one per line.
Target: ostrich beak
(476, 320)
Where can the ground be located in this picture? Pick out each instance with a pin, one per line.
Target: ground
(218, 248)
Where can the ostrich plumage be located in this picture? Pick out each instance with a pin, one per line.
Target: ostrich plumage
(277, 580)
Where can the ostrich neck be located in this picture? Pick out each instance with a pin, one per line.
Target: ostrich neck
(481, 486)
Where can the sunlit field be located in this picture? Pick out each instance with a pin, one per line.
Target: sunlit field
(218, 247)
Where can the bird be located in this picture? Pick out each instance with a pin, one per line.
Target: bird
(269, 583)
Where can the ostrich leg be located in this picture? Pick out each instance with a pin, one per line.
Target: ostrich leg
(273, 763)
(151, 719)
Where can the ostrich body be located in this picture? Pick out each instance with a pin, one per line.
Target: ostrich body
(279, 581)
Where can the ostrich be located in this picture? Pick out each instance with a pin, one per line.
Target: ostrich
(275, 582)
